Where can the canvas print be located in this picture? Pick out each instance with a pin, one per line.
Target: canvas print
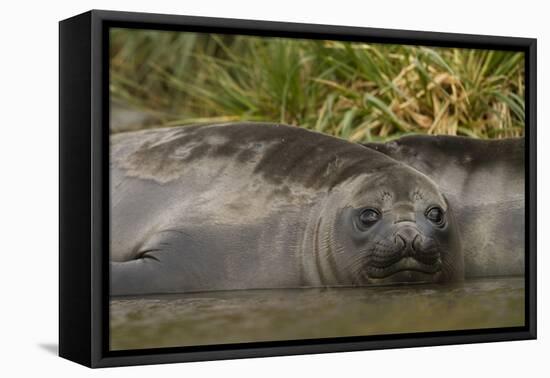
(271, 189)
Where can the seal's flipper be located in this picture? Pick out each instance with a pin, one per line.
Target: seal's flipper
(134, 277)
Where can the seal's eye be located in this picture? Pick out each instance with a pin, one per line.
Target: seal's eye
(369, 217)
(435, 214)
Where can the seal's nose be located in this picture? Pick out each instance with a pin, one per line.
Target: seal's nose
(408, 238)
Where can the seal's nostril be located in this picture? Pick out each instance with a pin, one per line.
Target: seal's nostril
(400, 240)
(416, 243)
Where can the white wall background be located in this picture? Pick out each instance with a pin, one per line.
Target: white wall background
(29, 186)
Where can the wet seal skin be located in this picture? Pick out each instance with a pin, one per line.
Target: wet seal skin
(248, 205)
(484, 182)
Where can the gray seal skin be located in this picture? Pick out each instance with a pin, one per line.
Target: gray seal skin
(484, 182)
(245, 206)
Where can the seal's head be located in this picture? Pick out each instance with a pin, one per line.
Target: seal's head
(397, 227)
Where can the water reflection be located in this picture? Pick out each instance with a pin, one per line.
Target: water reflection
(266, 315)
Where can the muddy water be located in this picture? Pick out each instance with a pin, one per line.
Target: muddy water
(266, 315)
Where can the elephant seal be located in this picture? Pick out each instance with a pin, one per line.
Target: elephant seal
(248, 205)
(484, 181)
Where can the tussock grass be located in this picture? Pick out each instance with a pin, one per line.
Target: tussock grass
(357, 91)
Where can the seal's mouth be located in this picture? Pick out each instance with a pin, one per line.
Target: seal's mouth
(404, 264)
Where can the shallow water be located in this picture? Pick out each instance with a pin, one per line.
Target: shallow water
(267, 315)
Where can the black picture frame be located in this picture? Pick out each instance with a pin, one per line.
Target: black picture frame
(84, 193)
